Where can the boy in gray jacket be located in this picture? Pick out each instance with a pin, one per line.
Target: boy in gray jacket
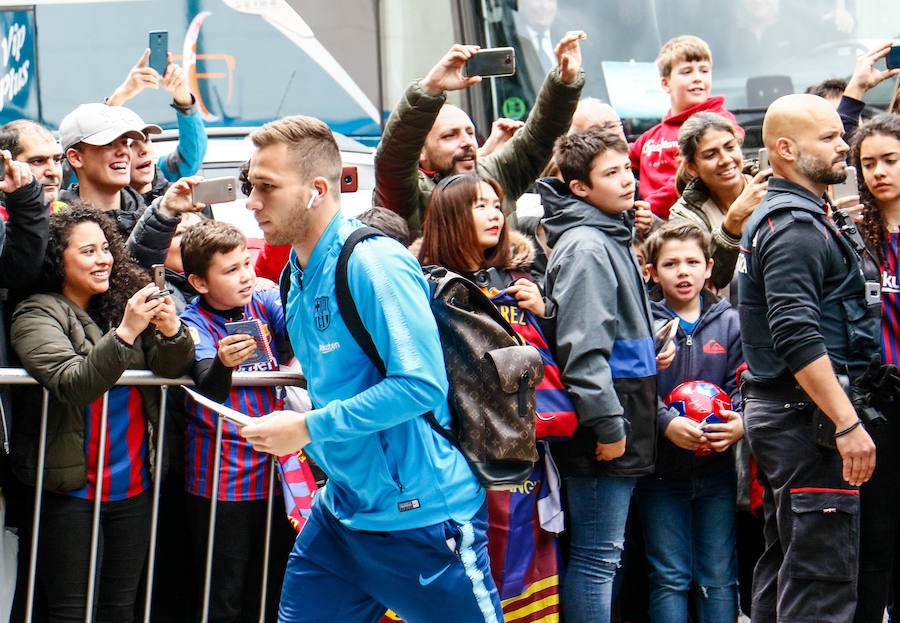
(605, 351)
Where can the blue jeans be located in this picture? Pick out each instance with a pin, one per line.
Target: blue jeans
(689, 538)
(598, 509)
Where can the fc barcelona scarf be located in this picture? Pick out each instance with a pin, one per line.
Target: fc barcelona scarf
(556, 418)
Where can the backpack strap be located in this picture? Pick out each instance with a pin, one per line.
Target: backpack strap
(346, 304)
(350, 314)
(284, 287)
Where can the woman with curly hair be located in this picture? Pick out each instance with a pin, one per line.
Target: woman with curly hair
(93, 318)
(876, 154)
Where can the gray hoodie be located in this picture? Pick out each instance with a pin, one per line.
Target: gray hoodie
(604, 337)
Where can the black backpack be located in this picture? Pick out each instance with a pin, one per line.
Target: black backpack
(491, 373)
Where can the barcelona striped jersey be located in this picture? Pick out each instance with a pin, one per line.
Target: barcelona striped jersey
(244, 472)
(125, 471)
(890, 301)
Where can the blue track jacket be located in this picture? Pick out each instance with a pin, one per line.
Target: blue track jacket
(387, 469)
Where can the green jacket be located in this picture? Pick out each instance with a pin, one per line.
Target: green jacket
(68, 354)
(404, 188)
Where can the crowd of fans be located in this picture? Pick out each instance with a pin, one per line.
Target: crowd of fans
(610, 262)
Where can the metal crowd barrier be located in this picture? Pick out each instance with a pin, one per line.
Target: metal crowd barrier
(18, 376)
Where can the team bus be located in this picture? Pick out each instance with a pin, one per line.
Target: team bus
(347, 61)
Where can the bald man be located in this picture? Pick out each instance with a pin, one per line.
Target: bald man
(594, 113)
(805, 317)
(427, 140)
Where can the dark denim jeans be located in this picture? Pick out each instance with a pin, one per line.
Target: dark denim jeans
(879, 525)
(598, 510)
(689, 540)
(808, 570)
(64, 556)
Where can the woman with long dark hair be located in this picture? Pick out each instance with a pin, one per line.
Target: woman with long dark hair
(93, 318)
(876, 154)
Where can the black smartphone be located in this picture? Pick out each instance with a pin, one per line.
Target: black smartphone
(847, 187)
(159, 51)
(2, 168)
(491, 62)
(349, 179)
(892, 60)
(216, 190)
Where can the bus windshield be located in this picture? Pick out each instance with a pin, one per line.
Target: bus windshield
(761, 48)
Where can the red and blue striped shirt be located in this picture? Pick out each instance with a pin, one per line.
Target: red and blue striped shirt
(125, 471)
(890, 301)
(244, 472)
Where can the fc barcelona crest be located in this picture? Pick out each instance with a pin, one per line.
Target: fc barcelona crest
(322, 313)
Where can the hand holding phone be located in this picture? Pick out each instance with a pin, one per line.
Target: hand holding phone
(216, 190)
(763, 158)
(491, 62)
(159, 279)
(665, 334)
(159, 51)
(846, 188)
(892, 60)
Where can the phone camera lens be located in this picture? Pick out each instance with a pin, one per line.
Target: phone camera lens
(348, 179)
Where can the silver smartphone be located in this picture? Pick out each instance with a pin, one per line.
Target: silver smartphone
(215, 190)
(763, 158)
(847, 187)
(159, 278)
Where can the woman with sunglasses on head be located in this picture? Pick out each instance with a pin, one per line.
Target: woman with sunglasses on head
(94, 317)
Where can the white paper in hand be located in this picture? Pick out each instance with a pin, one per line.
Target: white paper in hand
(226, 412)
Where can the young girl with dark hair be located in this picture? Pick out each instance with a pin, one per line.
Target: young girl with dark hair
(92, 320)
(876, 153)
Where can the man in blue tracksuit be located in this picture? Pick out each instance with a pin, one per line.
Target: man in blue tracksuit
(401, 522)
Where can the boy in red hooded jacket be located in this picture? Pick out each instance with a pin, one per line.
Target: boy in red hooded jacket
(685, 70)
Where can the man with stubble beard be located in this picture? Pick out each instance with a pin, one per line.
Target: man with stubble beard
(426, 139)
(807, 315)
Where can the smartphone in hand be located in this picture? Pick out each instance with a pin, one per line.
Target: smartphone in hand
(159, 51)
(763, 158)
(847, 187)
(215, 190)
(665, 335)
(491, 62)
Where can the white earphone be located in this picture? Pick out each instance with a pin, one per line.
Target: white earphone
(315, 194)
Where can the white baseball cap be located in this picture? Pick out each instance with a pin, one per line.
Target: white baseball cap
(99, 124)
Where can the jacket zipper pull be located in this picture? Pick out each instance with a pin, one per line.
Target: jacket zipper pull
(689, 340)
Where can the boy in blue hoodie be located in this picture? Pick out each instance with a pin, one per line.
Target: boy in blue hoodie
(604, 347)
(688, 503)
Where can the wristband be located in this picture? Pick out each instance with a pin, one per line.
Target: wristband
(849, 429)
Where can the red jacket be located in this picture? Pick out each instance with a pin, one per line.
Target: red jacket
(654, 155)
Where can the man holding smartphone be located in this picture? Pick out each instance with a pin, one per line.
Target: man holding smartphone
(426, 139)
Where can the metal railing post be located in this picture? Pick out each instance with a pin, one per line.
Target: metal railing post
(19, 376)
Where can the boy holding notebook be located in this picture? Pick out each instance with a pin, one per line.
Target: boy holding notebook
(234, 328)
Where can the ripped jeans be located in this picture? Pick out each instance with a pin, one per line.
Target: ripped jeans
(598, 509)
(690, 540)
